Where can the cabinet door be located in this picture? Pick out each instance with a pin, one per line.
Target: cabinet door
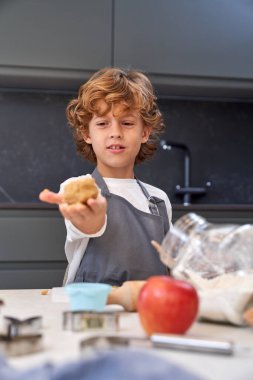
(54, 40)
(187, 39)
(32, 248)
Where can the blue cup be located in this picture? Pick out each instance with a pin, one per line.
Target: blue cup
(87, 296)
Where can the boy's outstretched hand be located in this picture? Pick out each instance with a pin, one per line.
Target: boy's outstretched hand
(89, 218)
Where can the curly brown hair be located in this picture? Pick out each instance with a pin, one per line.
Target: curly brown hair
(132, 90)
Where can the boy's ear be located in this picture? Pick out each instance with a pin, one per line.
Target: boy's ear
(86, 137)
(145, 133)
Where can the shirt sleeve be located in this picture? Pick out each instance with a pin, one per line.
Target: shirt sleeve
(74, 233)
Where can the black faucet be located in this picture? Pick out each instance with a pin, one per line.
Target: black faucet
(186, 191)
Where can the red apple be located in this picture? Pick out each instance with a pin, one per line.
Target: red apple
(166, 305)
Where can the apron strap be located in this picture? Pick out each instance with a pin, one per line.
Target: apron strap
(151, 200)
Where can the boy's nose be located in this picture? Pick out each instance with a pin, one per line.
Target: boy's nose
(115, 130)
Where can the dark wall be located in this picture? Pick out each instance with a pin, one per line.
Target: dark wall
(219, 135)
(36, 145)
(37, 149)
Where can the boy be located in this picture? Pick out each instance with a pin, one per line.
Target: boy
(116, 124)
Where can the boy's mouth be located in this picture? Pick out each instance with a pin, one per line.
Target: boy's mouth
(116, 147)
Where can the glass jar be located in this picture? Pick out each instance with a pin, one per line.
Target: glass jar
(194, 245)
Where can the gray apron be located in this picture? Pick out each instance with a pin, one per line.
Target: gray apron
(124, 251)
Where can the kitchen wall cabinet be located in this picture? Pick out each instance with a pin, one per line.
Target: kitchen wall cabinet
(189, 47)
(32, 241)
(32, 248)
(53, 44)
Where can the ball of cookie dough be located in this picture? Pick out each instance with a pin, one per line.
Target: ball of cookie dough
(80, 190)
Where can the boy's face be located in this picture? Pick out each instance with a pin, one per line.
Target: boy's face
(116, 139)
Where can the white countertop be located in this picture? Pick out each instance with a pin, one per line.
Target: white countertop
(62, 346)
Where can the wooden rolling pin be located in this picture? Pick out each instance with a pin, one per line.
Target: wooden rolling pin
(126, 295)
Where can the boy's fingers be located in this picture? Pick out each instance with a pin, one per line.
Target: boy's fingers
(50, 197)
(71, 211)
(96, 204)
(91, 203)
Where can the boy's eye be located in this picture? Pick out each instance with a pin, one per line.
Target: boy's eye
(128, 123)
(102, 123)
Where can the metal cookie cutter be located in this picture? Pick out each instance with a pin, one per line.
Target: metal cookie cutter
(20, 345)
(19, 327)
(83, 320)
(21, 336)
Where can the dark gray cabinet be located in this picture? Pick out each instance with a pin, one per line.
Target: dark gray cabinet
(32, 241)
(205, 45)
(188, 47)
(31, 248)
(53, 43)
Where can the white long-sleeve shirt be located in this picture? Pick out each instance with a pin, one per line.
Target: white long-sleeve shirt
(77, 241)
